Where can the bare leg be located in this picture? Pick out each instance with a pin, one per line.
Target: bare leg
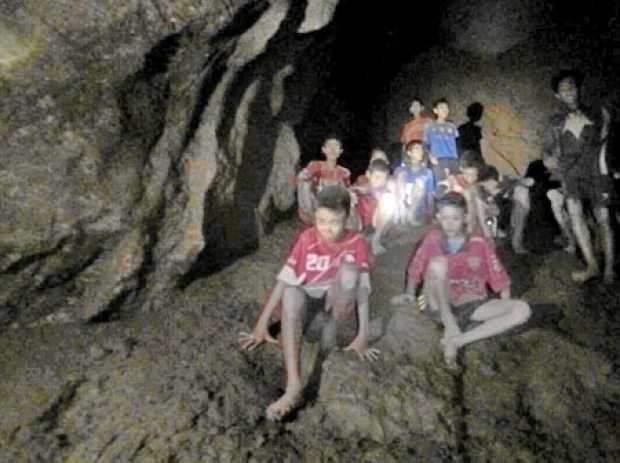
(436, 291)
(498, 316)
(582, 233)
(518, 217)
(341, 294)
(293, 310)
(382, 220)
(607, 238)
(418, 194)
(561, 217)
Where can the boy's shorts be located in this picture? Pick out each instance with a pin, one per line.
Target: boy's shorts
(462, 315)
(597, 190)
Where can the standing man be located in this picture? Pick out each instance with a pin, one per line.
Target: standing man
(575, 147)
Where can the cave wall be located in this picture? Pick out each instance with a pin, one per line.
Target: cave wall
(134, 146)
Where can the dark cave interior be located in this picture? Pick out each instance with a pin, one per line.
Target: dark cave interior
(371, 44)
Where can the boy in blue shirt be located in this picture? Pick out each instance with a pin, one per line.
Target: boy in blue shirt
(440, 139)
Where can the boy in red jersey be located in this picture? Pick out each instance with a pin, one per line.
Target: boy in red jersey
(456, 269)
(328, 263)
(319, 174)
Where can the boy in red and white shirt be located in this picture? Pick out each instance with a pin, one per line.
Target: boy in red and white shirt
(457, 269)
(319, 174)
(328, 263)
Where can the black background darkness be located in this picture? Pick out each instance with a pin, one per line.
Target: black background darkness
(374, 39)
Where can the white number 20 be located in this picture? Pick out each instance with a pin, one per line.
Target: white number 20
(317, 263)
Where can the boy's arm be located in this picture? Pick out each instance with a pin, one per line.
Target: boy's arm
(360, 343)
(260, 332)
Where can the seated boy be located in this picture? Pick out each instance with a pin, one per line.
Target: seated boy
(414, 186)
(328, 263)
(505, 194)
(456, 269)
(318, 174)
(375, 204)
(376, 153)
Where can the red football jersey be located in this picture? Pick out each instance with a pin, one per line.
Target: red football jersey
(470, 269)
(322, 176)
(315, 262)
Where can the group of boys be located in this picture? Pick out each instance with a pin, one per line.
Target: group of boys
(326, 274)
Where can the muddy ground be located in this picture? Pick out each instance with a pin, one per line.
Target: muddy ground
(170, 384)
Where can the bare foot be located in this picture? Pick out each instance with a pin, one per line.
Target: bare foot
(284, 405)
(450, 349)
(585, 275)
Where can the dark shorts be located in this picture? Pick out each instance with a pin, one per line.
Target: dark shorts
(597, 190)
(462, 315)
(316, 319)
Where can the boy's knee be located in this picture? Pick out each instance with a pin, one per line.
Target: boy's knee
(521, 196)
(437, 268)
(521, 312)
(555, 197)
(348, 276)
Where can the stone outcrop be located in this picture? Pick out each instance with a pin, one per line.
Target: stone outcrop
(138, 139)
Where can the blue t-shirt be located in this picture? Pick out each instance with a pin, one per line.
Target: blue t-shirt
(440, 139)
(428, 179)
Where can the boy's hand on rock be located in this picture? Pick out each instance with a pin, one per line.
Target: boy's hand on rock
(259, 335)
(362, 350)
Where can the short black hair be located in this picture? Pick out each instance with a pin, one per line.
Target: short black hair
(469, 159)
(440, 101)
(453, 199)
(379, 165)
(488, 173)
(335, 198)
(574, 74)
(418, 99)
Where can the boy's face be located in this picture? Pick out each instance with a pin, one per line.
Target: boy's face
(470, 174)
(377, 179)
(332, 149)
(416, 153)
(452, 220)
(329, 223)
(442, 110)
(416, 108)
(568, 93)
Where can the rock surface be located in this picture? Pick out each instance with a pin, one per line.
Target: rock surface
(138, 138)
(171, 385)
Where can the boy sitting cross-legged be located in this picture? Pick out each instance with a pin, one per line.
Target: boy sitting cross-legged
(456, 269)
(329, 265)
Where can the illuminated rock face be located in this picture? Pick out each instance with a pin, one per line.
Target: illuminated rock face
(138, 139)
